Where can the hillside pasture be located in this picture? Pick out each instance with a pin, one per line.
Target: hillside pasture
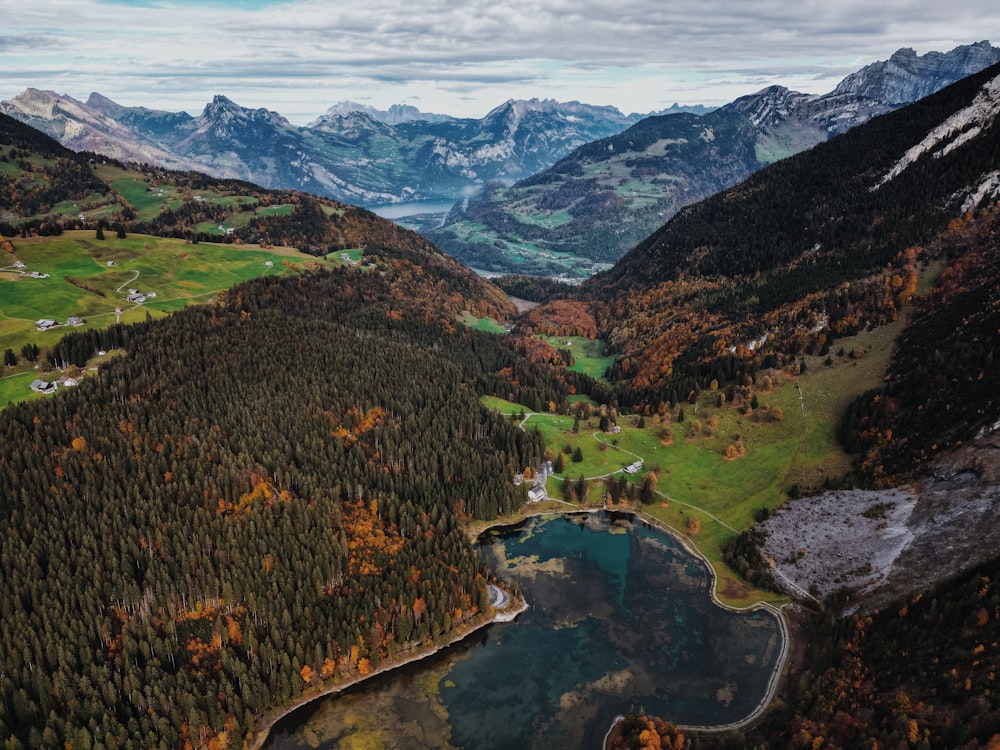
(789, 442)
(590, 356)
(104, 271)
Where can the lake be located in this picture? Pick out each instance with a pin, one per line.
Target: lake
(620, 616)
(399, 210)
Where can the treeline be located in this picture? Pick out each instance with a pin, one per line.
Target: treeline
(260, 496)
(534, 288)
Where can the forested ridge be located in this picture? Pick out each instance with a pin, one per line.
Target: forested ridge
(262, 494)
(810, 249)
(919, 674)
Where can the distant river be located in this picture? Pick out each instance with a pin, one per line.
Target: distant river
(620, 616)
(399, 210)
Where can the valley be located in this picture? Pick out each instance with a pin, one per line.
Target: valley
(263, 486)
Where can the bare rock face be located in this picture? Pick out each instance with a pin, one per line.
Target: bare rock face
(879, 546)
(907, 76)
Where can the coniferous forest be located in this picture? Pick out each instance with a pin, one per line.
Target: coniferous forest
(259, 495)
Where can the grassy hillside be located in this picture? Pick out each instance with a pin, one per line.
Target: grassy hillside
(90, 279)
(789, 443)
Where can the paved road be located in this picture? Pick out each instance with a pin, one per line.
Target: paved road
(498, 597)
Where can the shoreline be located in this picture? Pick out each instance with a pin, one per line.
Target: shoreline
(778, 612)
(263, 734)
(521, 605)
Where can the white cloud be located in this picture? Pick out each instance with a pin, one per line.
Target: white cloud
(460, 58)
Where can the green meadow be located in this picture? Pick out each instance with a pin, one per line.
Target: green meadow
(789, 440)
(104, 271)
(489, 325)
(589, 355)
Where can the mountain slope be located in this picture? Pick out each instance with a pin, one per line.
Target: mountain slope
(807, 250)
(591, 207)
(351, 153)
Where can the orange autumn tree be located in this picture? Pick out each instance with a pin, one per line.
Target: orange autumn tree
(371, 543)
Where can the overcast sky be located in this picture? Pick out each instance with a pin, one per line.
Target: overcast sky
(461, 58)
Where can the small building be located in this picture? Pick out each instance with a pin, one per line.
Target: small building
(150, 295)
(537, 493)
(634, 468)
(19, 264)
(112, 263)
(41, 386)
(135, 296)
(45, 324)
(69, 382)
(518, 480)
(75, 320)
(269, 263)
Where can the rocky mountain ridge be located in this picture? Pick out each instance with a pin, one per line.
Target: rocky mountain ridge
(353, 153)
(588, 209)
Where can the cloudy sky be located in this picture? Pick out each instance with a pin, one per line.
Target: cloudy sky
(462, 58)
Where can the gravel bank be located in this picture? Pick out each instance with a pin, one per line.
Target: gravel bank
(886, 544)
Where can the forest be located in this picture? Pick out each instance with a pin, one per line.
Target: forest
(942, 385)
(262, 495)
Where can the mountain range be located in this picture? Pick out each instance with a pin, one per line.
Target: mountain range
(588, 209)
(352, 153)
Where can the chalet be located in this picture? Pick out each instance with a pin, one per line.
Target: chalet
(536, 493)
(38, 275)
(19, 264)
(269, 263)
(518, 480)
(634, 468)
(112, 263)
(69, 382)
(74, 320)
(45, 324)
(42, 386)
(135, 296)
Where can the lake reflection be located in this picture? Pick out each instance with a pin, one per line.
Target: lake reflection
(620, 616)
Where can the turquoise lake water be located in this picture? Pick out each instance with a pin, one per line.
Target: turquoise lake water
(620, 616)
